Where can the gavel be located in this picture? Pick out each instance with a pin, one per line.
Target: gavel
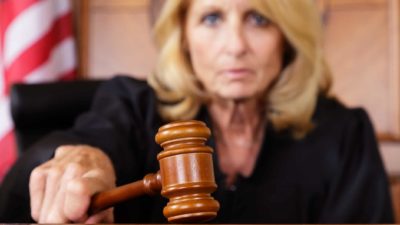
(186, 176)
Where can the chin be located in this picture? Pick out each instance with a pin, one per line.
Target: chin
(238, 96)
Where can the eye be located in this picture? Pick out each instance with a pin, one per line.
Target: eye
(212, 18)
(258, 19)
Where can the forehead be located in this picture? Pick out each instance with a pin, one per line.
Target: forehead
(199, 5)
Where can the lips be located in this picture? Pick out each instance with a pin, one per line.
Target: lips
(237, 73)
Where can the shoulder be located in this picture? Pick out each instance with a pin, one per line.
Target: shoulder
(342, 129)
(331, 113)
(126, 94)
(340, 136)
(351, 161)
(126, 89)
(123, 83)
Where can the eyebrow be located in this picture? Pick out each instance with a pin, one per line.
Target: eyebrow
(212, 6)
(206, 8)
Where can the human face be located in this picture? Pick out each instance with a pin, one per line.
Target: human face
(235, 52)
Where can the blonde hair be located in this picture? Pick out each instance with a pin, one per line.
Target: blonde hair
(292, 99)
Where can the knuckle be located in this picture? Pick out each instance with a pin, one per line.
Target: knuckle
(73, 170)
(78, 188)
(55, 172)
(60, 150)
(95, 173)
(63, 149)
(37, 173)
(74, 167)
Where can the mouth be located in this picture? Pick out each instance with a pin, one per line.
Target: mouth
(237, 73)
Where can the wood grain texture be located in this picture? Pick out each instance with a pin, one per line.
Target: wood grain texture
(394, 66)
(119, 3)
(186, 176)
(81, 16)
(395, 189)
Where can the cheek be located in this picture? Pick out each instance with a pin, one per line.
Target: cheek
(270, 54)
(199, 63)
(269, 57)
(201, 59)
(274, 65)
(203, 45)
(272, 69)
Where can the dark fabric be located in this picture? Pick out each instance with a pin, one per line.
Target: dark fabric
(333, 175)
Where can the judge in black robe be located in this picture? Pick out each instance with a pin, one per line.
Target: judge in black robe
(333, 175)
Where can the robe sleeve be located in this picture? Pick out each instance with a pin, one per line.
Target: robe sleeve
(115, 124)
(359, 191)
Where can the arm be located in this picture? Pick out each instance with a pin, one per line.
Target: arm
(112, 125)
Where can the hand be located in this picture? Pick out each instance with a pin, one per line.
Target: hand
(61, 189)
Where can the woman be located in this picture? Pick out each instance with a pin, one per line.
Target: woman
(254, 72)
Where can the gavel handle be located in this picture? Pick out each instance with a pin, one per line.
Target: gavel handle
(151, 184)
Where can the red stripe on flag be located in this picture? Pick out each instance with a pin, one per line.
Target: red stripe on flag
(9, 10)
(70, 75)
(39, 52)
(8, 154)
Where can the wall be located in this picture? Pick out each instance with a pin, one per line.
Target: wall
(362, 47)
(120, 39)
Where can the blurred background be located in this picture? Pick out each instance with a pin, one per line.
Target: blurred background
(362, 45)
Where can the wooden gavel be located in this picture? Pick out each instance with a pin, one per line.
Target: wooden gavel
(186, 176)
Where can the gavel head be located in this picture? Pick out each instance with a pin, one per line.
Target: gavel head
(187, 173)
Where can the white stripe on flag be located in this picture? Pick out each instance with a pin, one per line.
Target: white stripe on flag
(30, 26)
(62, 60)
(2, 81)
(2, 85)
(5, 116)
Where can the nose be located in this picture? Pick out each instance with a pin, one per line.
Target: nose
(236, 42)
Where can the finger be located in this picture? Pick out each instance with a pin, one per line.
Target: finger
(49, 205)
(105, 216)
(57, 214)
(79, 193)
(37, 185)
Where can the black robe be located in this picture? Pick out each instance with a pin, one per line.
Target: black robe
(333, 175)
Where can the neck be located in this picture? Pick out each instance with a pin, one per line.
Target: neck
(238, 131)
(233, 115)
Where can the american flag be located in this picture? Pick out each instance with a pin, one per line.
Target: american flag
(36, 45)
